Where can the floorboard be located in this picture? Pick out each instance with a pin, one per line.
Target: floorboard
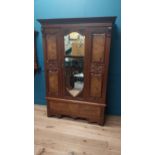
(65, 136)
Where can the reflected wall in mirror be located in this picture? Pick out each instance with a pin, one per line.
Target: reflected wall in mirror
(74, 63)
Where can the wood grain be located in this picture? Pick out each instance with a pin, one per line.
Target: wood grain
(51, 47)
(55, 136)
(98, 47)
(53, 83)
(96, 86)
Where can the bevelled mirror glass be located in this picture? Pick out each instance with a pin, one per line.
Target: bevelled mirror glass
(74, 63)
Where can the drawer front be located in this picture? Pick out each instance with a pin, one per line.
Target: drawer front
(74, 109)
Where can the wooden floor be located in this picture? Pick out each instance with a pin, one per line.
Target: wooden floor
(65, 136)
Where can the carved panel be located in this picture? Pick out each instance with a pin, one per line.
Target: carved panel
(97, 69)
(53, 83)
(96, 86)
(51, 47)
(98, 46)
(52, 66)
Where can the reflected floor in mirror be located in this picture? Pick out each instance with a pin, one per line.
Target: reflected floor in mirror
(78, 86)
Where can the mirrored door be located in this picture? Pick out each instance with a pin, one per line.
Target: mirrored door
(74, 43)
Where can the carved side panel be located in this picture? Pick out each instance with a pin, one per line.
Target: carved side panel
(51, 47)
(97, 68)
(53, 83)
(52, 64)
(98, 47)
(97, 71)
(96, 86)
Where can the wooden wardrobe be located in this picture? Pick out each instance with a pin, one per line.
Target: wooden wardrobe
(76, 56)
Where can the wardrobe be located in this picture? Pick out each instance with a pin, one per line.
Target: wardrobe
(76, 58)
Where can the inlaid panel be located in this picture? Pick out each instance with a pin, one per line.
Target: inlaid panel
(98, 46)
(53, 83)
(51, 47)
(96, 86)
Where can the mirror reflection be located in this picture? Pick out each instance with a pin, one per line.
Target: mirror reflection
(74, 63)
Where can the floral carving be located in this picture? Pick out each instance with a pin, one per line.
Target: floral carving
(97, 69)
(52, 66)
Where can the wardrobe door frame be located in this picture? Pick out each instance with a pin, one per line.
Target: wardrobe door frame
(99, 68)
(66, 31)
(52, 66)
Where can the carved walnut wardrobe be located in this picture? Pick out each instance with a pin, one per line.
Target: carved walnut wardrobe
(76, 56)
